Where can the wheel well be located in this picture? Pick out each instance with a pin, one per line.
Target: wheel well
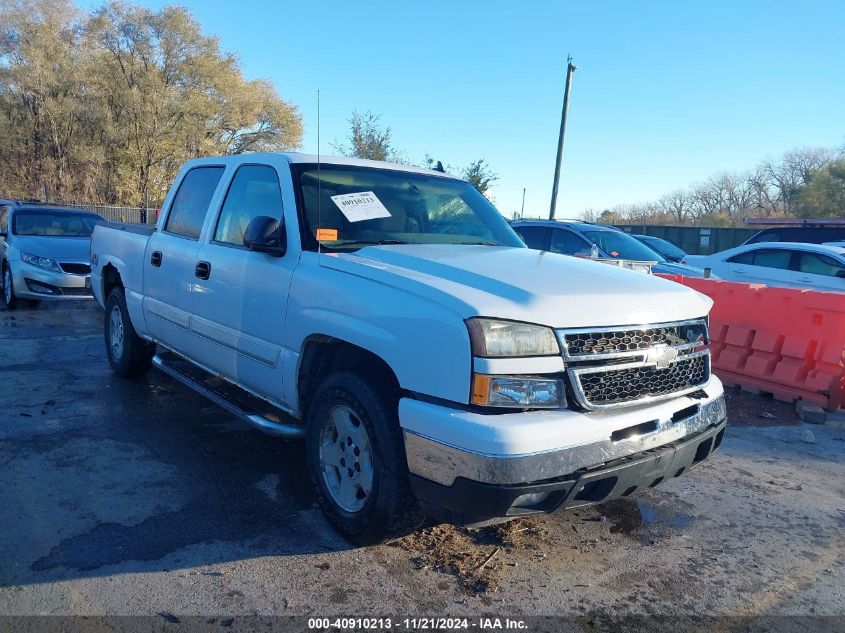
(111, 280)
(323, 355)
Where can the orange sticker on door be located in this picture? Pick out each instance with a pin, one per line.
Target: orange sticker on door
(326, 235)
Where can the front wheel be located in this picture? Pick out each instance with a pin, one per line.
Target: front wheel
(356, 460)
(129, 355)
(9, 299)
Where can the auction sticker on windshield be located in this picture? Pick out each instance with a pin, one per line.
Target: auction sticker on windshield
(361, 206)
(326, 235)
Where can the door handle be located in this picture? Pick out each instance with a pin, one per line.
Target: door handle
(203, 270)
(155, 258)
(806, 280)
(739, 271)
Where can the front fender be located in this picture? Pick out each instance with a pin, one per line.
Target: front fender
(425, 344)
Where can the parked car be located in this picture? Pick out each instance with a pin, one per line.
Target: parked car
(391, 317)
(574, 237)
(790, 264)
(667, 249)
(806, 234)
(44, 252)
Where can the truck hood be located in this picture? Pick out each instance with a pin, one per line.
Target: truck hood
(523, 284)
(69, 249)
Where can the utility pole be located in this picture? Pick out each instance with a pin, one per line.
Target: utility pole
(522, 212)
(570, 70)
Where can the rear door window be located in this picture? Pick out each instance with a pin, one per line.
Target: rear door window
(773, 258)
(568, 243)
(190, 206)
(533, 236)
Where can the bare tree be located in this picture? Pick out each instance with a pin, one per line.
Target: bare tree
(766, 199)
(794, 170)
(773, 187)
(677, 204)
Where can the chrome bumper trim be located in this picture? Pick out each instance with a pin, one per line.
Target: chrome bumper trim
(442, 463)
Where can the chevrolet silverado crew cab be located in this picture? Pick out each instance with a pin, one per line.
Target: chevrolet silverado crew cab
(392, 318)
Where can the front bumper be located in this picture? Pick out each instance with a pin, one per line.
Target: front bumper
(32, 282)
(468, 467)
(468, 502)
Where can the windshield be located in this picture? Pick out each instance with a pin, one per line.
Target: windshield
(359, 206)
(55, 223)
(664, 247)
(619, 245)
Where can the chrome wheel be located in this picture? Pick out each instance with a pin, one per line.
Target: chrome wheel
(116, 333)
(346, 458)
(7, 285)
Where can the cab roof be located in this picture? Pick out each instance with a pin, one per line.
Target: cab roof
(298, 157)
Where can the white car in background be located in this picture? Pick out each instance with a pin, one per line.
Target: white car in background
(790, 264)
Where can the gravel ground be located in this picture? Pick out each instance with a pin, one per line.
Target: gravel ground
(141, 498)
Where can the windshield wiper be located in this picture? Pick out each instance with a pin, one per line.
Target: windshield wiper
(373, 242)
(478, 243)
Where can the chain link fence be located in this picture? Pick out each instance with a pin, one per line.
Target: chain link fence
(114, 213)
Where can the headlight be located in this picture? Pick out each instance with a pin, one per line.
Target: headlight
(41, 262)
(522, 392)
(492, 338)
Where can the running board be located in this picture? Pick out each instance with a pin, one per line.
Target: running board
(233, 399)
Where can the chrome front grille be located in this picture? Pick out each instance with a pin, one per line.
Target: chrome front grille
(626, 366)
(617, 384)
(616, 342)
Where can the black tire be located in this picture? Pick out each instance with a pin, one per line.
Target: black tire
(8, 298)
(390, 510)
(133, 358)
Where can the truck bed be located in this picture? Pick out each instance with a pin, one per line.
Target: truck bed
(131, 227)
(122, 245)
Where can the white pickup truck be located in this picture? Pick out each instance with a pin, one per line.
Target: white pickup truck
(391, 317)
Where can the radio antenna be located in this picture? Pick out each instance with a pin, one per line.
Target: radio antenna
(319, 244)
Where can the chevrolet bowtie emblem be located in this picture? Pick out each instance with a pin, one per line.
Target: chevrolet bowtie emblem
(661, 355)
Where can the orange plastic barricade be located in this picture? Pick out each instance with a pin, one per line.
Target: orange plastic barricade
(783, 341)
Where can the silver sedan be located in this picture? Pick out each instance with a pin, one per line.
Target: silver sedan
(44, 253)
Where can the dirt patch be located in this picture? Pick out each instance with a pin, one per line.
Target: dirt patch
(748, 409)
(476, 558)
(624, 516)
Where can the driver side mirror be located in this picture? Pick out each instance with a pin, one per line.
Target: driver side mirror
(265, 235)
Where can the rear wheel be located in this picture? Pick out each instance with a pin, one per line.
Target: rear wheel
(356, 459)
(129, 355)
(9, 299)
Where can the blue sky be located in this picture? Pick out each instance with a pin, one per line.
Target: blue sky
(666, 94)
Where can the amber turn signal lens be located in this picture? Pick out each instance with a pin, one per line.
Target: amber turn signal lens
(480, 389)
